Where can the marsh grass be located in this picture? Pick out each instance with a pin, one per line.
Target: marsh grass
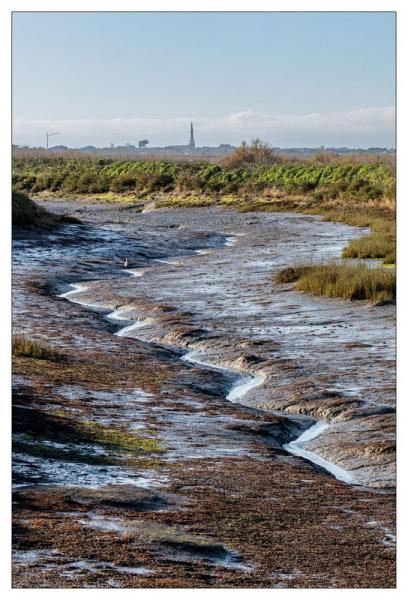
(381, 243)
(22, 346)
(338, 280)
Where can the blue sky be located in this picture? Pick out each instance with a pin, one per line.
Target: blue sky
(289, 78)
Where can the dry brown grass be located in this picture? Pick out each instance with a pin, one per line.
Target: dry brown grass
(72, 153)
(257, 154)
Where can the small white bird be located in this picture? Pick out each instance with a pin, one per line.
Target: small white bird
(125, 264)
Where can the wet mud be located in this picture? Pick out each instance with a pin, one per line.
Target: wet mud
(171, 447)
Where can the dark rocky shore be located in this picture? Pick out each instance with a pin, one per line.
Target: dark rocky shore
(133, 469)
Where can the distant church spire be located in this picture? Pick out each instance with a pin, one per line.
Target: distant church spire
(192, 141)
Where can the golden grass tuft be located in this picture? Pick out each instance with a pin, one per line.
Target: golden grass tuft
(22, 346)
(381, 243)
(338, 280)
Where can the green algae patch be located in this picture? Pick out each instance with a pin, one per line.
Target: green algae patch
(185, 201)
(41, 449)
(62, 435)
(120, 439)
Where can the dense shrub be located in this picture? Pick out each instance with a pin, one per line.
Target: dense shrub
(321, 181)
(153, 182)
(123, 183)
(257, 154)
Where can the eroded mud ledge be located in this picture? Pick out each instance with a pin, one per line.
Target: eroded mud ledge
(216, 457)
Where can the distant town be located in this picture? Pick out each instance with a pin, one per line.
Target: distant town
(143, 148)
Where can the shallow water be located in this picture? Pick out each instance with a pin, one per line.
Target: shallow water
(297, 448)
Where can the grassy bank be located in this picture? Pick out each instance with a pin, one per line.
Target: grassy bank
(319, 180)
(26, 214)
(337, 280)
(381, 243)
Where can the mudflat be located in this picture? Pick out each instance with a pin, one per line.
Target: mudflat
(207, 427)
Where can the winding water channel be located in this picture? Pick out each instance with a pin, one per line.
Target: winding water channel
(334, 358)
(240, 387)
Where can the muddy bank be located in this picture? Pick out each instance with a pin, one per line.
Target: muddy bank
(147, 473)
(328, 359)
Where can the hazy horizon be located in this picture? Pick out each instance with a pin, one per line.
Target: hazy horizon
(292, 79)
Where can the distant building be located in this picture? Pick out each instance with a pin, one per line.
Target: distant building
(189, 148)
(192, 140)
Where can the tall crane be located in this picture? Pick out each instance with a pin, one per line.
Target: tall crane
(49, 134)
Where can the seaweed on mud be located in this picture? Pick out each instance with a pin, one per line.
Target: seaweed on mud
(124, 497)
(40, 429)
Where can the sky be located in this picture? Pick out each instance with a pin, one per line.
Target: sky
(291, 79)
